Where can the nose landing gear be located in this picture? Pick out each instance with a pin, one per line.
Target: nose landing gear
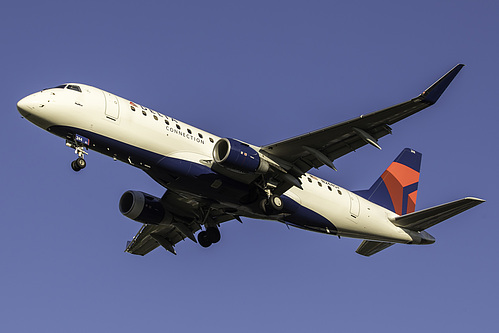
(79, 144)
(78, 164)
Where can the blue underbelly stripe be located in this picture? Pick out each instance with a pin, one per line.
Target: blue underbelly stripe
(196, 178)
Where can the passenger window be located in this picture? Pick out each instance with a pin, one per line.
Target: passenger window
(189, 131)
(339, 192)
(167, 122)
(155, 117)
(329, 188)
(320, 184)
(144, 113)
(309, 179)
(211, 140)
(200, 135)
(132, 108)
(178, 126)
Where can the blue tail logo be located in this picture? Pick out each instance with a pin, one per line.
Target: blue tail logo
(397, 188)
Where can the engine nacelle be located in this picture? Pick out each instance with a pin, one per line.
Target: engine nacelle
(144, 208)
(236, 155)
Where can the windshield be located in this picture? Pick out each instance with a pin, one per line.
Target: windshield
(73, 87)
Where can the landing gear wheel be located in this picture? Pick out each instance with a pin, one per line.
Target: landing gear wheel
(275, 202)
(213, 234)
(271, 205)
(75, 166)
(81, 163)
(78, 164)
(204, 239)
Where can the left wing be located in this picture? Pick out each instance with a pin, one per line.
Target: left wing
(323, 146)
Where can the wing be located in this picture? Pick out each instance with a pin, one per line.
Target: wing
(143, 242)
(189, 214)
(323, 146)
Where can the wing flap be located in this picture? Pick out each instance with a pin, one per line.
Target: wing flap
(427, 218)
(367, 248)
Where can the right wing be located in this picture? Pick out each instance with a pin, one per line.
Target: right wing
(183, 226)
(143, 242)
(299, 154)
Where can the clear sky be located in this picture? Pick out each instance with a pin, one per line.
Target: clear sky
(260, 71)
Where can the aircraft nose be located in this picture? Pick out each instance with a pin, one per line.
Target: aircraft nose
(26, 106)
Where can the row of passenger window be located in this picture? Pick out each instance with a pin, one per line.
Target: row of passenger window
(167, 122)
(320, 185)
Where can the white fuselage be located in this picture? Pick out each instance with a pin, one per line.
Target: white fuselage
(120, 121)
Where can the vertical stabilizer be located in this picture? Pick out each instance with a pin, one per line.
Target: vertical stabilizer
(397, 188)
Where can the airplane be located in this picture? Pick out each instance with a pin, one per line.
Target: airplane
(210, 180)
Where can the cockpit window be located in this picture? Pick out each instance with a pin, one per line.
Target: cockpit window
(73, 87)
(62, 86)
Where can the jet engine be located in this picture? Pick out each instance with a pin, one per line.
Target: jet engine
(236, 155)
(144, 208)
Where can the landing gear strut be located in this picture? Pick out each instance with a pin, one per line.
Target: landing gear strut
(208, 237)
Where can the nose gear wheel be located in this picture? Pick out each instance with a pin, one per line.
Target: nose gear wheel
(78, 164)
(79, 148)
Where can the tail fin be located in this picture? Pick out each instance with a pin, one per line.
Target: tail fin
(397, 188)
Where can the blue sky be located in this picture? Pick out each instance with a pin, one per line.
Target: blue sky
(260, 71)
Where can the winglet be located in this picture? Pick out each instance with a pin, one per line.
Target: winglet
(433, 93)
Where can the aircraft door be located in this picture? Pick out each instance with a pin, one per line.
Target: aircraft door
(112, 106)
(354, 205)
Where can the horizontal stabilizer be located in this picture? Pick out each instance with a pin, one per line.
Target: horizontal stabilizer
(368, 248)
(427, 218)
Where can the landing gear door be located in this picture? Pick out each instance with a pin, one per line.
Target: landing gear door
(112, 106)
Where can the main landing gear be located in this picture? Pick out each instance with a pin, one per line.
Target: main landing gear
(208, 237)
(271, 205)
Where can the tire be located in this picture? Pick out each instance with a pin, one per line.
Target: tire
(271, 205)
(213, 234)
(264, 206)
(75, 166)
(203, 239)
(81, 163)
(275, 202)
